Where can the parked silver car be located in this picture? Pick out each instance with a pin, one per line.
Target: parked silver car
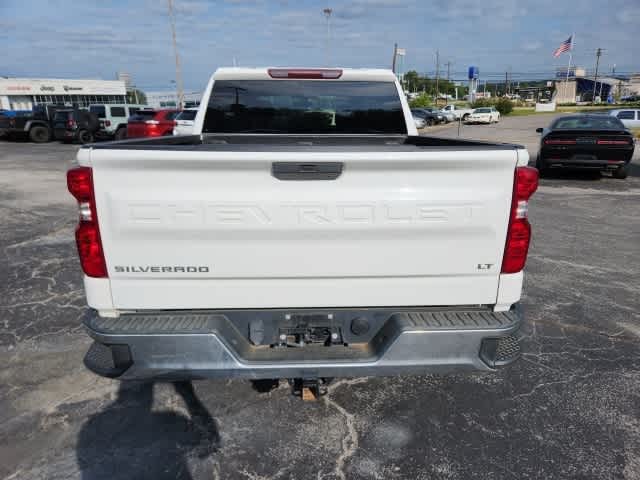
(420, 122)
(630, 117)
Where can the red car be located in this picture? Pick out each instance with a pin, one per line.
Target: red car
(151, 123)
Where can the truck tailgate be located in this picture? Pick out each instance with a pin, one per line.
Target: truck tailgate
(216, 229)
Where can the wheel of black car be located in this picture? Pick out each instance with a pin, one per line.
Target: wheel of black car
(429, 122)
(464, 117)
(39, 134)
(85, 136)
(621, 172)
(121, 133)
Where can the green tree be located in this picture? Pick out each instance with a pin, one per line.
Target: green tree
(136, 96)
(423, 100)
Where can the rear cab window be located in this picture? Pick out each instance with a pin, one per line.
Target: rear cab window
(187, 115)
(118, 112)
(588, 123)
(99, 110)
(626, 115)
(304, 107)
(63, 116)
(142, 115)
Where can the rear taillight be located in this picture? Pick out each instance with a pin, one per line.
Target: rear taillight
(559, 141)
(613, 142)
(107, 123)
(519, 233)
(80, 184)
(306, 73)
(71, 124)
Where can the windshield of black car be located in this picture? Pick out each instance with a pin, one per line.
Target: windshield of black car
(99, 110)
(304, 107)
(588, 123)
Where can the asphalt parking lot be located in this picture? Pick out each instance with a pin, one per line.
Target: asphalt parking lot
(570, 409)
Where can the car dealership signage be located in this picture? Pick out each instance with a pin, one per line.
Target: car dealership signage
(27, 86)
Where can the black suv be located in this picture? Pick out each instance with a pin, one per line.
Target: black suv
(36, 124)
(73, 125)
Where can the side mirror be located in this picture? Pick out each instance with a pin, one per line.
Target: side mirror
(539, 130)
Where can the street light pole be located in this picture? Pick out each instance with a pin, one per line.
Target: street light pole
(327, 12)
(179, 87)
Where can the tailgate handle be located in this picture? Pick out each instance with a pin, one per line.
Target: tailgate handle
(306, 171)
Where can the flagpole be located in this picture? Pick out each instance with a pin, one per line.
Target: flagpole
(566, 84)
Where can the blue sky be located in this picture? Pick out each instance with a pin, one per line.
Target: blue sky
(86, 39)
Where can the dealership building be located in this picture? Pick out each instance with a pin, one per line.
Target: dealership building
(169, 99)
(25, 93)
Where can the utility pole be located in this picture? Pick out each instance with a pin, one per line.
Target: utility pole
(437, 72)
(595, 77)
(448, 71)
(327, 12)
(179, 86)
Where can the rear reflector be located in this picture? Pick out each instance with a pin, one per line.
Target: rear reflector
(309, 73)
(519, 232)
(552, 141)
(80, 184)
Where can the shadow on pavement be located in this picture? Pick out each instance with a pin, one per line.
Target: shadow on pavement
(129, 440)
(572, 174)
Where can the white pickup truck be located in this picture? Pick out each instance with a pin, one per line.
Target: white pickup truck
(306, 231)
(459, 113)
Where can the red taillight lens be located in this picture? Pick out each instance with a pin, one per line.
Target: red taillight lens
(107, 123)
(557, 141)
(71, 123)
(310, 73)
(90, 250)
(519, 232)
(614, 142)
(80, 184)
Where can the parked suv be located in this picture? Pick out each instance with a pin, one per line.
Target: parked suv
(36, 124)
(630, 117)
(185, 120)
(113, 118)
(75, 126)
(151, 123)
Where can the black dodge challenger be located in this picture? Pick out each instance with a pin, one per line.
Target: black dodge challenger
(594, 141)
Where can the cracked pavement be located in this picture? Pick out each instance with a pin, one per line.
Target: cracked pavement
(569, 409)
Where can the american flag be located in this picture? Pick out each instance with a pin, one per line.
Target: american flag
(564, 47)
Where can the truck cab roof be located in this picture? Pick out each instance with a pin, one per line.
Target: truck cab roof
(340, 74)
